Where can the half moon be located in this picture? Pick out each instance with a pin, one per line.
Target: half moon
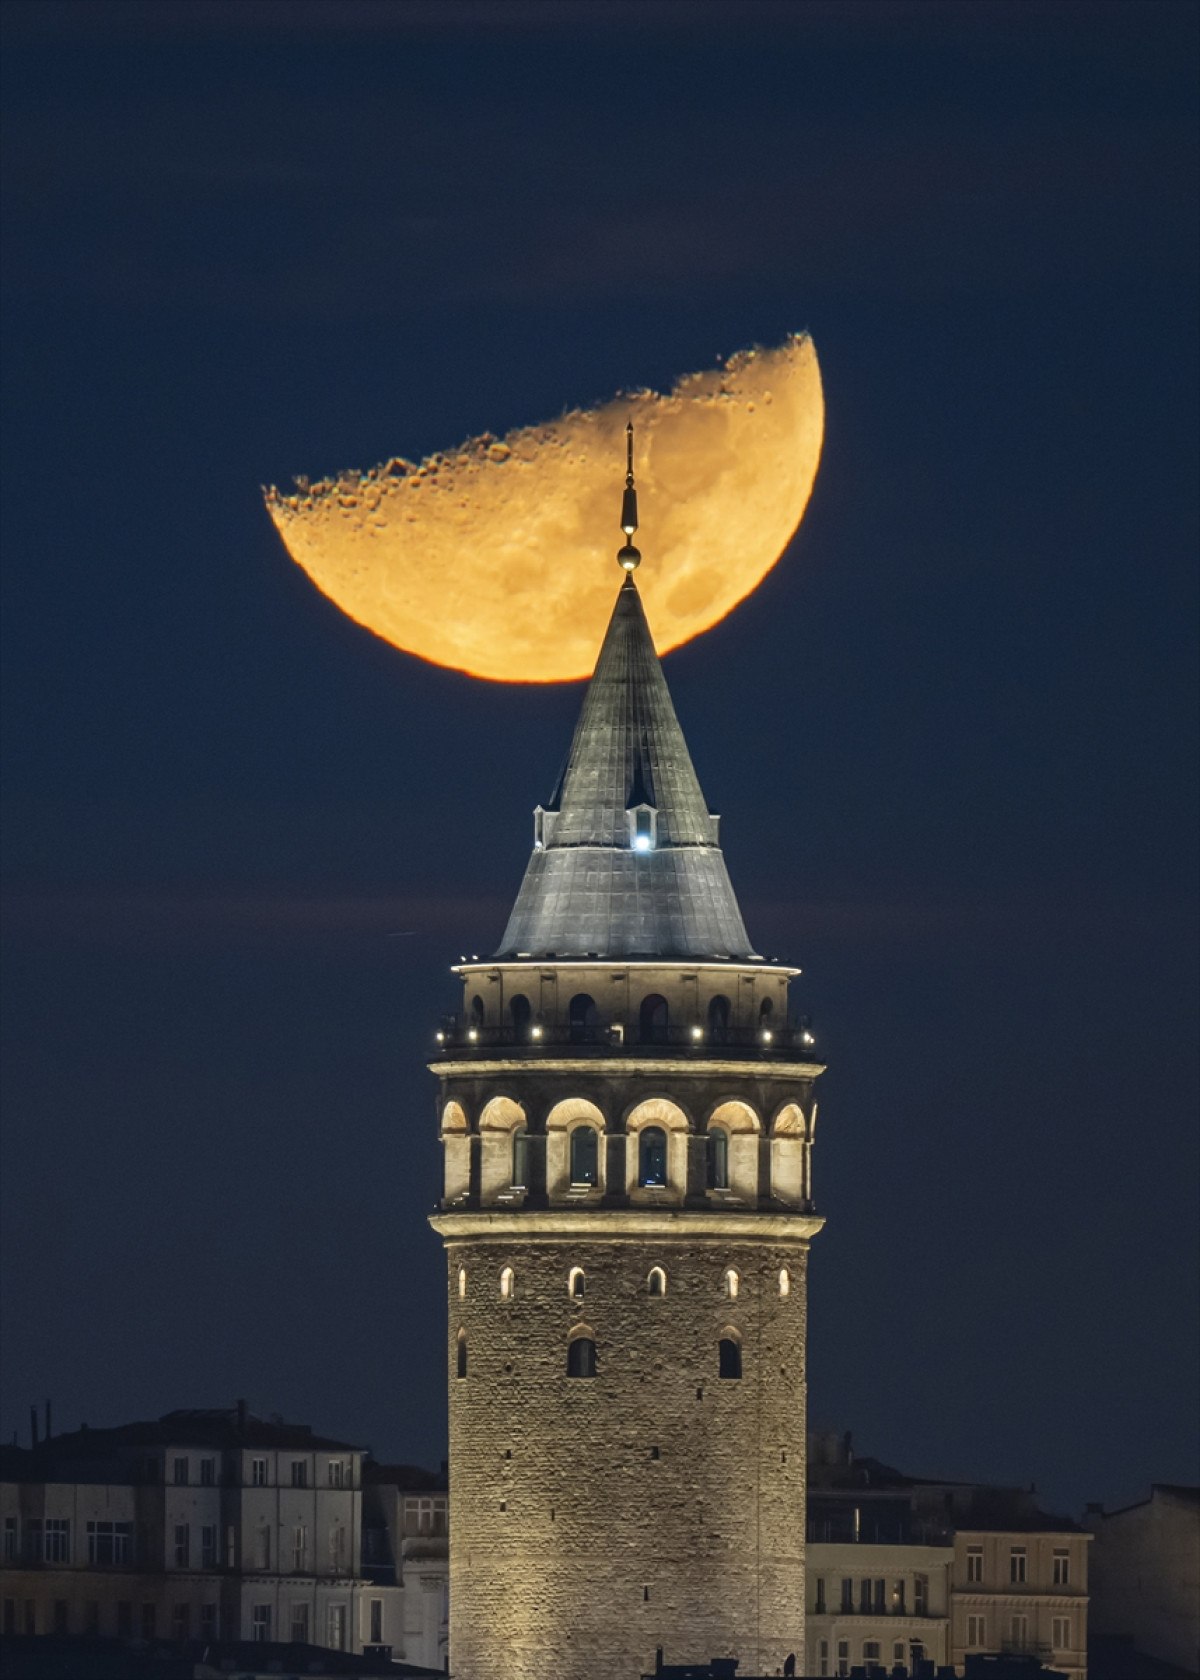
(497, 558)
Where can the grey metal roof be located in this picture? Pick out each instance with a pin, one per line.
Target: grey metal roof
(587, 891)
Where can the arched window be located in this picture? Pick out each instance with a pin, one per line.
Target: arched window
(520, 1157)
(730, 1284)
(582, 1019)
(581, 1357)
(462, 1353)
(477, 1011)
(656, 1283)
(585, 1168)
(576, 1283)
(462, 1283)
(652, 1156)
(785, 1282)
(508, 1283)
(718, 1020)
(653, 1019)
(718, 1158)
(766, 1010)
(520, 1013)
(729, 1357)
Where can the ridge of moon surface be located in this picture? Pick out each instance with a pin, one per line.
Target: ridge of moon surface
(498, 558)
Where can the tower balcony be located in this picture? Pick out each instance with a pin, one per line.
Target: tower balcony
(464, 1037)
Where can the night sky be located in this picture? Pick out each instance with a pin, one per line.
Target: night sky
(952, 736)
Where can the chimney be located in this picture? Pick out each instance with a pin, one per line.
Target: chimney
(33, 1435)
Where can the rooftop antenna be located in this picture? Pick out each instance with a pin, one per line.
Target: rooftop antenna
(629, 558)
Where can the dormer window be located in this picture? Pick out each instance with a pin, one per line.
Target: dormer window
(643, 827)
(539, 829)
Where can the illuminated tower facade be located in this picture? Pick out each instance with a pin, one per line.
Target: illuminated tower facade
(627, 1118)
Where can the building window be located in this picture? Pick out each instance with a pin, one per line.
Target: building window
(11, 1540)
(462, 1283)
(520, 1013)
(898, 1598)
(299, 1473)
(847, 1596)
(208, 1547)
(871, 1650)
(461, 1368)
(124, 1619)
(718, 1020)
(299, 1549)
(656, 1283)
(582, 1019)
(180, 1622)
(258, 1472)
(976, 1631)
(1062, 1568)
(520, 1158)
(299, 1624)
(10, 1616)
(576, 1283)
(718, 1158)
(585, 1154)
(376, 1621)
(58, 1620)
(581, 1357)
(336, 1627)
(180, 1472)
(729, 1357)
(1061, 1633)
(819, 1606)
(149, 1621)
(58, 1540)
(208, 1621)
(260, 1624)
(864, 1596)
(208, 1472)
(109, 1542)
(337, 1550)
(1016, 1566)
(843, 1657)
(642, 823)
(823, 1656)
(181, 1546)
(653, 1020)
(899, 1654)
(652, 1156)
(337, 1473)
(91, 1617)
(730, 1284)
(785, 1283)
(264, 1547)
(974, 1563)
(508, 1280)
(1019, 1633)
(920, 1596)
(880, 1595)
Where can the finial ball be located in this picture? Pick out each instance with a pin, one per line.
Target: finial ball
(629, 558)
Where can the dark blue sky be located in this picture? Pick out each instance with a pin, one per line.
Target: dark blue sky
(953, 735)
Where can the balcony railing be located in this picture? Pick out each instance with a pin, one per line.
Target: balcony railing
(792, 1042)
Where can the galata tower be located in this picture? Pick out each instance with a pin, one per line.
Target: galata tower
(627, 1115)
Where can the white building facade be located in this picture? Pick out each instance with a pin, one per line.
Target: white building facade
(873, 1606)
(204, 1525)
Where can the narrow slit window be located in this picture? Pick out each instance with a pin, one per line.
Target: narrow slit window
(576, 1284)
(718, 1159)
(508, 1283)
(462, 1283)
(656, 1283)
(730, 1284)
(785, 1282)
(462, 1353)
(520, 1158)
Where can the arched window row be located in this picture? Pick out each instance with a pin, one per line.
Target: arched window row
(733, 1116)
(582, 1360)
(656, 1283)
(648, 1019)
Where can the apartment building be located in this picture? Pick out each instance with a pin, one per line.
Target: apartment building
(406, 1544)
(210, 1524)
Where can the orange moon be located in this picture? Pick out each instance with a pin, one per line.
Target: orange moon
(498, 558)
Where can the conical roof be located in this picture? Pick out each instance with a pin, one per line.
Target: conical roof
(627, 862)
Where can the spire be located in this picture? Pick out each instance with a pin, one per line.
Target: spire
(629, 558)
(626, 861)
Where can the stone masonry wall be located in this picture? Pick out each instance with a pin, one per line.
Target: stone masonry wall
(656, 1504)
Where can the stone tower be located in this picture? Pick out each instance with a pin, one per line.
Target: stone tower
(627, 1116)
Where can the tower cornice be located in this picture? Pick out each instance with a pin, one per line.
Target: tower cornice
(667, 1224)
(699, 1066)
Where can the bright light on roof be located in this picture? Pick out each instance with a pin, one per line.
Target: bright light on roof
(641, 842)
